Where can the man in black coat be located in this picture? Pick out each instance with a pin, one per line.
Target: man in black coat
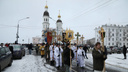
(66, 56)
(98, 58)
(30, 48)
(85, 48)
(124, 51)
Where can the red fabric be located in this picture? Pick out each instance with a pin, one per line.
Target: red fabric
(49, 37)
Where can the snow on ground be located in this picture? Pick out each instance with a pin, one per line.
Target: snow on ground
(29, 63)
(113, 59)
(117, 60)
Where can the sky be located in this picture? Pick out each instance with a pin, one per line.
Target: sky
(79, 15)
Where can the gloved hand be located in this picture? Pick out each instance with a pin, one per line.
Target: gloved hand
(76, 51)
(58, 55)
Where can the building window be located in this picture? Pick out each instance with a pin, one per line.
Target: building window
(127, 39)
(109, 39)
(112, 43)
(124, 34)
(46, 19)
(108, 43)
(112, 39)
(120, 30)
(127, 44)
(120, 43)
(120, 39)
(120, 34)
(123, 39)
(112, 29)
(112, 34)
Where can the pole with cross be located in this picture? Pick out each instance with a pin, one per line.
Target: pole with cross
(82, 39)
(77, 35)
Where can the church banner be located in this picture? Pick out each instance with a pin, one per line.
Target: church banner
(49, 37)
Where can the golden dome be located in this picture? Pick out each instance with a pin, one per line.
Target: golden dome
(46, 6)
(59, 16)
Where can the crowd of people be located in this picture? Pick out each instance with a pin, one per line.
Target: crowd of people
(62, 55)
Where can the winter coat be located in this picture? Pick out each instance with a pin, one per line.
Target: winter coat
(42, 50)
(98, 59)
(85, 48)
(66, 55)
(30, 46)
(124, 50)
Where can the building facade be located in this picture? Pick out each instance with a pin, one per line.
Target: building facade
(36, 40)
(115, 35)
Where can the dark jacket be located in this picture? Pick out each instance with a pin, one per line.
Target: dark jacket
(66, 56)
(124, 49)
(85, 48)
(98, 60)
(30, 46)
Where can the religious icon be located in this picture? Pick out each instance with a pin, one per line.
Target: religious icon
(69, 35)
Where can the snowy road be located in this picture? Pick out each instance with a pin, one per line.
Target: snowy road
(34, 63)
(29, 63)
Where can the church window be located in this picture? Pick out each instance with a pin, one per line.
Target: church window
(46, 19)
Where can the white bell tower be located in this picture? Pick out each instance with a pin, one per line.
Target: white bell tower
(46, 18)
(59, 25)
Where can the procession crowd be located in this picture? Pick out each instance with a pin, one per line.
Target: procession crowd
(60, 55)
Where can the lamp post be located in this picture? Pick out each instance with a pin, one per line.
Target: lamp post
(17, 34)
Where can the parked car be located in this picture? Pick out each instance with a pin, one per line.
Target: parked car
(18, 51)
(109, 51)
(5, 58)
(116, 50)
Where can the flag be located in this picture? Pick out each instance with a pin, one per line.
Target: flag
(49, 37)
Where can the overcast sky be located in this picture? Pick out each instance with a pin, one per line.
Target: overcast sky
(79, 15)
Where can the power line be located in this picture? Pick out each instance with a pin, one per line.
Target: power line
(91, 10)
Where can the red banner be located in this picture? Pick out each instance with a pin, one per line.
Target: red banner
(49, 37)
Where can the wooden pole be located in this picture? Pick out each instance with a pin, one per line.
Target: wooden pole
(70, 55)
(104, 55)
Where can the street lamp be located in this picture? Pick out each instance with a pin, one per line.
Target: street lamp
(17, 34)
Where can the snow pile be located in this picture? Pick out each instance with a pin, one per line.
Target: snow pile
(29, 63)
